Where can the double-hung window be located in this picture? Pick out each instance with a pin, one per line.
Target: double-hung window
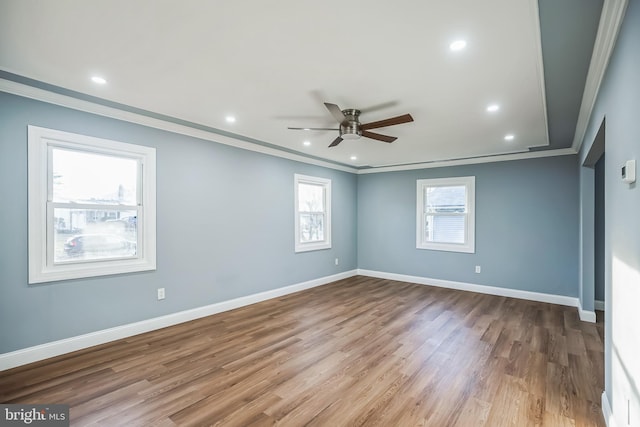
(312, 213)
(91, 206)
(445, 218)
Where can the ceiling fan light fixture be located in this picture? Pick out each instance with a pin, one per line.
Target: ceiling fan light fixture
(350, 136)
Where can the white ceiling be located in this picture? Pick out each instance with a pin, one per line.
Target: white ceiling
(273, 64)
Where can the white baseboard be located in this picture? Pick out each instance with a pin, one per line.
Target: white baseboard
(483, 289)
(606, 411)
(598, 305)
(56, 348)
(586, 315)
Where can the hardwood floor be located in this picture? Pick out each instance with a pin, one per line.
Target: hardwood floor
(360, 351)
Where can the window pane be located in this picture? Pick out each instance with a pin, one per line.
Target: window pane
(445, 228)
(311, 227)
(85, 234)
(446, 214)
(310, 198)
(445, 199)
(83, 177)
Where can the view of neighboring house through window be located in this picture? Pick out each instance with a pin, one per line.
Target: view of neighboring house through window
(92, 206)
(95, 206)
(446, 214)
(312, 213)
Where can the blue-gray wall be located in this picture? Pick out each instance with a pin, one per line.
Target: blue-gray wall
(526, 226)
(619, 101)
(224, 230)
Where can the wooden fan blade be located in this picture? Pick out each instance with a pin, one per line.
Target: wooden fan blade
(336, 141)
(388, 122)
(378, 136)
(335, 111)
(313, 128)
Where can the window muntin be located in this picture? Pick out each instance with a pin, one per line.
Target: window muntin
(88, 213)
(446, 214)
(312, 213)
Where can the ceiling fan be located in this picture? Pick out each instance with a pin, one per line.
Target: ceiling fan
(351, 128)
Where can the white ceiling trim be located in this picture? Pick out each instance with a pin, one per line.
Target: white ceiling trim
(38, 94)
(474, 161)
(608, 29)
(114, 113)
(533, 5)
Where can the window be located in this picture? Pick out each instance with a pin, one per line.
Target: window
(91, 206)
(446, 214)
(312, 213)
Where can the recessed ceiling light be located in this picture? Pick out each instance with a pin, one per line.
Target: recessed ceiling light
(98, 80)
(354, 158)
(509, 137)
(493, 108)
(306, 143)
(230, 119)
(458, 45)
(306, 129)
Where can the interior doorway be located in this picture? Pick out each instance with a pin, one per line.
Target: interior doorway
(599, 220)
(592, 290)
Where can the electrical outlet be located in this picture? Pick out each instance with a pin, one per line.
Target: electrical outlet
(337, 261)
(160, 293)
(478, 269)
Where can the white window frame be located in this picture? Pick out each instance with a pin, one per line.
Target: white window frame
(326, 185)
(41, 230)
(470, 223)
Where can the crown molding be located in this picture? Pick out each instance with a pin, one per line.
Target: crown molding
(535, 15)
(43, 95)
(608, 29)
(67, 101)
(473, 160)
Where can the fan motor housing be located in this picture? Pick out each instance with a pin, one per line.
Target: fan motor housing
(350, 126)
